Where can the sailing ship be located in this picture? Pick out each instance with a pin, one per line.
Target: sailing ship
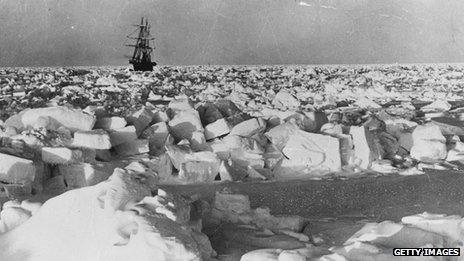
(141, 58)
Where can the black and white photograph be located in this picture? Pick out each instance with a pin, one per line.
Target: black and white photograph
(231, 130)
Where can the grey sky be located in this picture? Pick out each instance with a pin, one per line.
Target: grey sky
(92, 32)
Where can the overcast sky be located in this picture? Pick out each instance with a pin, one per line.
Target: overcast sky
(92, 32)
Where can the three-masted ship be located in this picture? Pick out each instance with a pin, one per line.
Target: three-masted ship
(142, 57)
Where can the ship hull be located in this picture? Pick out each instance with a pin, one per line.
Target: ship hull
(143, 66)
